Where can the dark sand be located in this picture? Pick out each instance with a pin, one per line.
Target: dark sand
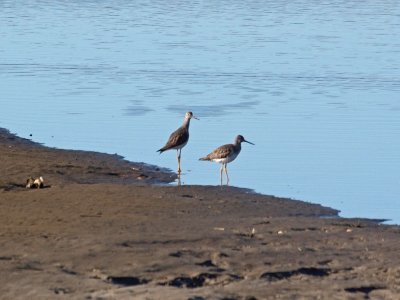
(101, 230)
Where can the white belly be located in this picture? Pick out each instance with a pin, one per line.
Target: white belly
(180, 146)
(227, 159)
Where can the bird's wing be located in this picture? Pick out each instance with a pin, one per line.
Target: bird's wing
(178, 137)
(221, 152)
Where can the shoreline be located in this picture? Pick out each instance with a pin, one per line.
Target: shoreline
(107, 228)
(98, 167)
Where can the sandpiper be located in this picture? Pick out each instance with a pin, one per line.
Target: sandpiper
(179, 138)
(225, 154)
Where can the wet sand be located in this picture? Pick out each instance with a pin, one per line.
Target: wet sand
(106, 228)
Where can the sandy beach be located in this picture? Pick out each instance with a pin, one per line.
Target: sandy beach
(106, 228)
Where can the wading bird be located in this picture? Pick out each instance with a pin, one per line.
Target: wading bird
(179, 138)
(225, 154)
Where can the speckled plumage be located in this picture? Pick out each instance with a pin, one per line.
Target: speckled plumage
(179, 138)
(225, 154)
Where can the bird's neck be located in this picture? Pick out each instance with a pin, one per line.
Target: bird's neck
(238, 146)
(186, 123)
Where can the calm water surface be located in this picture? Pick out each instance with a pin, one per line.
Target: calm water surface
(314, 84)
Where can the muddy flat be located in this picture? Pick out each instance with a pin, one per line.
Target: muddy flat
(106, 228)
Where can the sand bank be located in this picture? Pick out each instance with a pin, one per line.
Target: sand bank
(106, 228)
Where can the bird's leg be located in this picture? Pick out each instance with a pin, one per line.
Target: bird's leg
(226, 172)
(222, 168)
(179, 179)
(178, 153)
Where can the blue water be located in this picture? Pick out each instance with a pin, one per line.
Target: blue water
(314, 84)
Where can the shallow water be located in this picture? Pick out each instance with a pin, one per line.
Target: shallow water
(314, 84)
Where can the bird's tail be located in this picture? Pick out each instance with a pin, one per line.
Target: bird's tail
(204, 158)
(161, 150)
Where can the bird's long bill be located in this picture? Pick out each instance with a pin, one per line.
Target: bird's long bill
(249, 142)
(195, 118)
